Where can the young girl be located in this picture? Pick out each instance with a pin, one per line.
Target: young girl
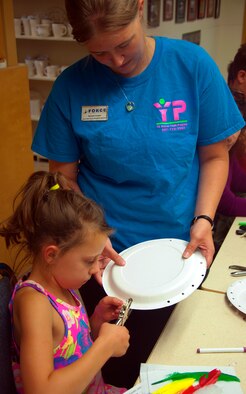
(63, 234)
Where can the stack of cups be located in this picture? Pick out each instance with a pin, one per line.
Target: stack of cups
(35, 104)
(52, 71)
(40, 64)
(34, 21)
(26, 25)
(29, 24)
(44, 28)
(33, 25)
(29, 60)
(18, 26)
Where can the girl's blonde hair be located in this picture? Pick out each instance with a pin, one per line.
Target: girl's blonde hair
(90, 16)
(46, 209)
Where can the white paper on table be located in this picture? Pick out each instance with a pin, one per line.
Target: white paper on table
(135, 390)
(150, 373)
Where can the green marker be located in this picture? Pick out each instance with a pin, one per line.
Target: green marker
(196, 375)
(242, 223)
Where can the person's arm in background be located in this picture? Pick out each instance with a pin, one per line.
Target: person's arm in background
(231, 204)
(214, 162)
(70, 171)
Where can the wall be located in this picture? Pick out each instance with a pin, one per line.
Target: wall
(220, 37)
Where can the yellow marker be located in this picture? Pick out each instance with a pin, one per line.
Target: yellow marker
(175, 387)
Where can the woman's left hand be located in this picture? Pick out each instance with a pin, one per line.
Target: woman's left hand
(214, 161)
(201, 238)
(108, 254)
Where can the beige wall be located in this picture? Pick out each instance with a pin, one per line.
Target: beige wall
(220, 37)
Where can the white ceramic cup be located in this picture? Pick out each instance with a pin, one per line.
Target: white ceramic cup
(35, 107)
(59, 29)
(3, 62)
(30, 66)
(62, 68)
(51, 71)
(18, 26)
(40, 65)
(34, 21)
(26, 26)
(43, 30)
(47, 21)
(69, 30)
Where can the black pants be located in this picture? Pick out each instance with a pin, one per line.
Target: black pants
(145, 328)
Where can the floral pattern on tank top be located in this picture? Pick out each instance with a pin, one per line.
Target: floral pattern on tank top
(75, 343)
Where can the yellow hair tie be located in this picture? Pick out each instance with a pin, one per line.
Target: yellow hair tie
(55, 187)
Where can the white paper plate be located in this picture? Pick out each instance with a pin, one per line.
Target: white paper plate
(236, 294)
(155, 274)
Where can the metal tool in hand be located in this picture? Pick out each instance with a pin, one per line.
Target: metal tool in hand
(240, 270)
(124, 312)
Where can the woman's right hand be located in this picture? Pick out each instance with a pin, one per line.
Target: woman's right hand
(117, 337)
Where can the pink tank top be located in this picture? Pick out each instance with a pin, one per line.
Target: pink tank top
(75, 343)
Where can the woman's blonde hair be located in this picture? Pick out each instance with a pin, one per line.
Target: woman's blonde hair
(88, 17)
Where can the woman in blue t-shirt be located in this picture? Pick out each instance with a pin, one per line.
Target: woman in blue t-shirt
(139, 126)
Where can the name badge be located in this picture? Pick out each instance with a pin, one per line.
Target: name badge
(94, 113)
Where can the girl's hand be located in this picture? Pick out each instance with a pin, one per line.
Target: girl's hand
(108, 254)
(108, 309)
(117, 338)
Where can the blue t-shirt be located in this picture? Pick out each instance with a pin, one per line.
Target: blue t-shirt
(142, 166)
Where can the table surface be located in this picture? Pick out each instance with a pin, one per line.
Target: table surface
(203, 320)
(232, 251)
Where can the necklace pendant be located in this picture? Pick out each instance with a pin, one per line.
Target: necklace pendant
(130, 106)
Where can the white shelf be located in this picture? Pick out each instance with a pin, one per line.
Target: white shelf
(38, 78)
(51, 38)
(60, 51)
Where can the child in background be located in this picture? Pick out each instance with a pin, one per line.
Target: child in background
(233, 201)
(63, 234)
(237, 82)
